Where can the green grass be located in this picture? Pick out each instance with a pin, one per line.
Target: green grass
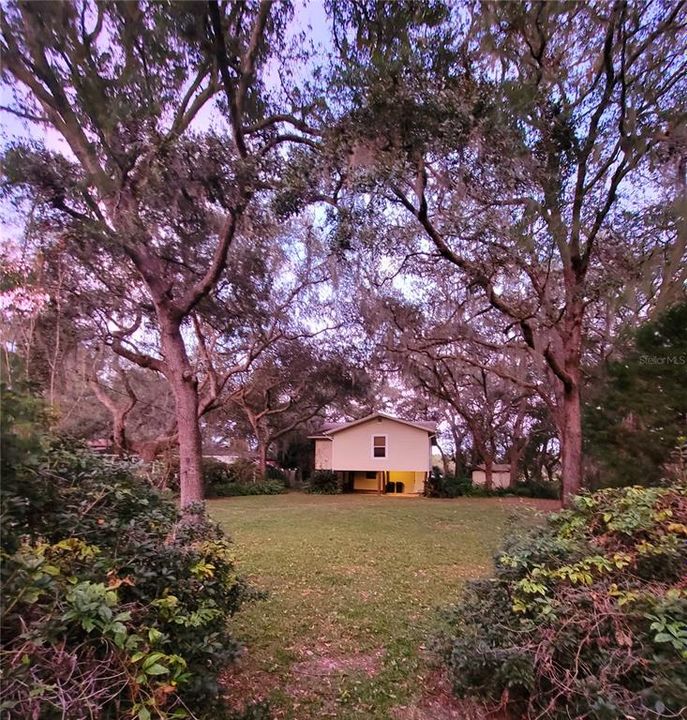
(354, 587)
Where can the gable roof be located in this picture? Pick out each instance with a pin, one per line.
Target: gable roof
(329, 429)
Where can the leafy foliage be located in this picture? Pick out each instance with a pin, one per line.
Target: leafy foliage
(112, 607)
(216, 472)
(538, 489)
(20, 452)
(447, 486)
(230, 489)
(324, 482)
(451, 486)
(274, 473)
(586, 617)
(636, 413)
(221, 479)
(240, 478)
(243, 472)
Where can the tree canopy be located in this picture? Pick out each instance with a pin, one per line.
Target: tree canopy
(475, 204)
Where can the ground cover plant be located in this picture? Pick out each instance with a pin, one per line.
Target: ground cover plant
(585, 617)
(450, 486)
(232, 489)
(240, 478)
(354, 584)
(324, 482)
(111, 608)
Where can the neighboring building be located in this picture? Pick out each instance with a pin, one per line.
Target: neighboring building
(378, 453)
(500, 476)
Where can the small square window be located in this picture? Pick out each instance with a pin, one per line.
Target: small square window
(379, 446)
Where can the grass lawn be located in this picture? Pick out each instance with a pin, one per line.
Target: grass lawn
(354, 584)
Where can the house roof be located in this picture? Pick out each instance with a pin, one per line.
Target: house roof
(328, 429)
(329, 426)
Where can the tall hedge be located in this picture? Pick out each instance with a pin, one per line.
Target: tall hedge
(112, 609)
(585, 617)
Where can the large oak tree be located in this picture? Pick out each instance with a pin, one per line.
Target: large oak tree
(147, 199)
(520, 138)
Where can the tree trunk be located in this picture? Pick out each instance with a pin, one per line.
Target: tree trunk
(262, 459)
(513, 479)
(458, 465)
(514, 454)
(119, 432)
(549, 472)
(518, 443)
(570, 427)
(571, 444)
(185, 388)
(488, 473)
(459, 459)
(444, 461)
(119, 412)
(190, 445)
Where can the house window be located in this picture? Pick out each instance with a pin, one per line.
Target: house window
(379, 446)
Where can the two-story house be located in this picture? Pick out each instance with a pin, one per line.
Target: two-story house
(378, 453)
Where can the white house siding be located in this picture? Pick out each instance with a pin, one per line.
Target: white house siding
(323, 454)
(498, 479)
(407, 447)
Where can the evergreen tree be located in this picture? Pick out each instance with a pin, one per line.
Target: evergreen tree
(636, 414)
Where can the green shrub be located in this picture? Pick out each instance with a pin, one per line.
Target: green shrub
(324, 482)
(451, 486)
(221, 479)
(163, 472)
(275, 473)
(231, 489)
(112, 608)
(215, 472)
(439, 485)
(585, 617)
(25, 496)
(242, 472)
(635, 409)
(538, 489)
(240, 478)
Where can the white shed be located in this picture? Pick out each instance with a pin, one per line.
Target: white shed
(500, 475)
